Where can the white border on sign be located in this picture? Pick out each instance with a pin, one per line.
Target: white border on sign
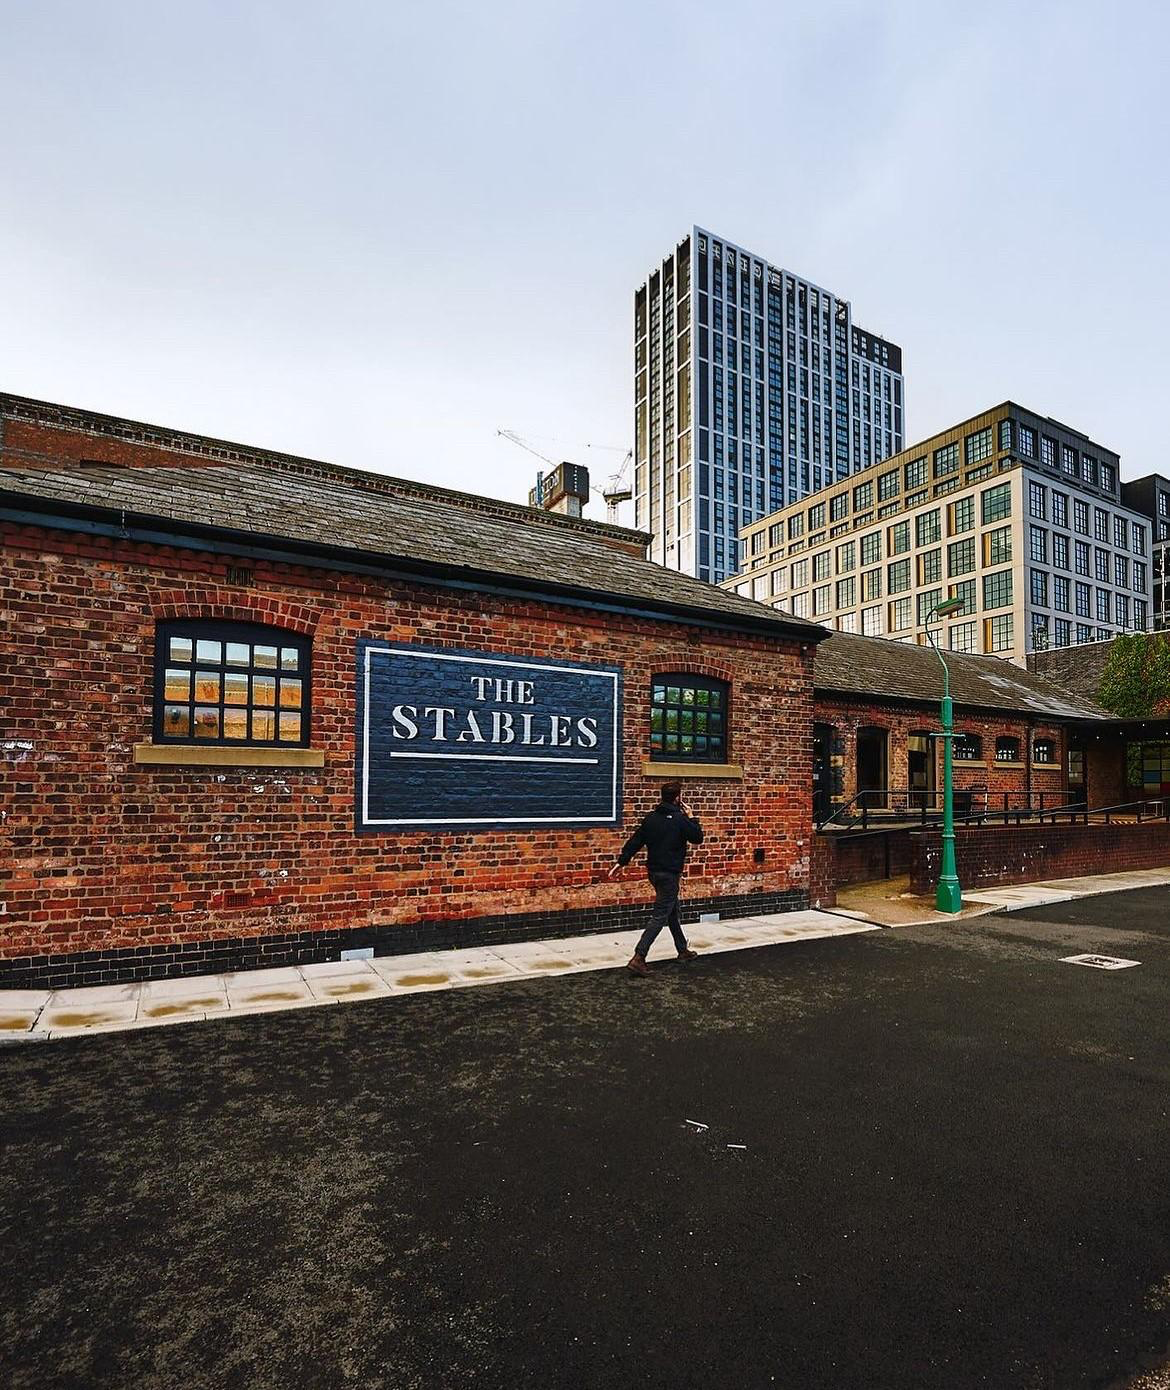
(487, 757)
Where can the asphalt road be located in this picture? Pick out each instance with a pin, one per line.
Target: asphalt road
(955, 1173)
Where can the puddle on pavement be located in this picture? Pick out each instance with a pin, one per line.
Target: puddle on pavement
(181, 1006)
(480, 972)
(408, 981)
(353, 987)
(16, 1023)
(274, 996)
(551, 965)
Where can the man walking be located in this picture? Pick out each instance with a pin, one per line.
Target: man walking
(664, 834)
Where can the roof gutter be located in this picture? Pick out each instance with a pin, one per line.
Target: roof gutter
(146, 529)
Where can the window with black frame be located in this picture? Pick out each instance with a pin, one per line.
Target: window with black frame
(1007, 750)
(231, 683)
(688, 719)
(967, 748)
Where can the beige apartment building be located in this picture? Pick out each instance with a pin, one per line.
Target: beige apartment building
(1015, 513)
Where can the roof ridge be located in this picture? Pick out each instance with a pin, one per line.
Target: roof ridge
(224, 451)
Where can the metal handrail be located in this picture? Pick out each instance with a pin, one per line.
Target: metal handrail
(925, 805)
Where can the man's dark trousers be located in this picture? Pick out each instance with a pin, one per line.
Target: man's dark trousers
(664, 913)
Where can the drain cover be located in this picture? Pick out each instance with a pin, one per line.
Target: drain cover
(1100, 962)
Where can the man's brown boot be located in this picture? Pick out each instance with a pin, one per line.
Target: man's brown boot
(688, 954)
(637, 965)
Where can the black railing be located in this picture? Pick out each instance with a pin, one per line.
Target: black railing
(878, 810)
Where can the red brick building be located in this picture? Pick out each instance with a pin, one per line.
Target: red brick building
(260, 709)
(877, 708)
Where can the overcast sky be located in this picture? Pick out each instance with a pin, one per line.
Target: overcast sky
(376, 232)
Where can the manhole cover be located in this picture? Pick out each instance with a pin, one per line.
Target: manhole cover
(1100, 962)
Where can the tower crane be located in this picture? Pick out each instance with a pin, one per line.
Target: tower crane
(617, 488)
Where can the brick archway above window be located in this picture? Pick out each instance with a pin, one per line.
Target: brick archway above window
(232, 607)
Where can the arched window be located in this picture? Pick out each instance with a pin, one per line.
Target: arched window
(230, 683)
(1007, 750)
(968, 748)
(1044, 751)
(689, 719)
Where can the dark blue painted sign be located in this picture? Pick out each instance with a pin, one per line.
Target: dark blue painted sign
(478, 740)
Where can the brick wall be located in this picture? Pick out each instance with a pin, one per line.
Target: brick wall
(108, 857)
(1028, 853)
(902, 719)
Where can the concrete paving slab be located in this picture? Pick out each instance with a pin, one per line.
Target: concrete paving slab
(208, 1001)
(342, 989)
(326, 969)
(95, 994)
(1023, 895)
(270, 992)
(16, 1020)
(75, 1017)
(271, 975)
(154, 990)
(24, 998)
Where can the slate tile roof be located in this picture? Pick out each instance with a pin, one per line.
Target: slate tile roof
(1077, 669)
(883, 669)
(418, 530)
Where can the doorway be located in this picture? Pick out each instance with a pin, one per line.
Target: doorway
(821, 775)
(920, 768)
(1078, 791)
(872, 765)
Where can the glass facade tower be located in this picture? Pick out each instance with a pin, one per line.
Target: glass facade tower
(752, 388)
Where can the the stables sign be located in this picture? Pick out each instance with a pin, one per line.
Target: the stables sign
(474, 739)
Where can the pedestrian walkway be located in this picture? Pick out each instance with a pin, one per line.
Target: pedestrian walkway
(889, 903)
(27, 1015)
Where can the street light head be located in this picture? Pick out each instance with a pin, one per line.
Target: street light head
(947, 607)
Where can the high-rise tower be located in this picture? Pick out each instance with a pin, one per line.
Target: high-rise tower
(752, 388)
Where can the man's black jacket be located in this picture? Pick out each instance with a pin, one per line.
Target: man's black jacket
(665, 833)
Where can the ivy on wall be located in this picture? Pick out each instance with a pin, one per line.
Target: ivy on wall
(1136, 678)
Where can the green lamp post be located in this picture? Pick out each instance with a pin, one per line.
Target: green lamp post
(949, 896)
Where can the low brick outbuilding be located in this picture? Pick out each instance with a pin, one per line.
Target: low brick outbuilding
(877, 709)
(259, 709)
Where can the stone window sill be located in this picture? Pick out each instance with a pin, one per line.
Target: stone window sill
(1046, 767)
(692, 772)
(969, 762)
(1003, 762)
(220, 755)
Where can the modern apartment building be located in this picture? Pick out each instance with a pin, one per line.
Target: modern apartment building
(752, 388)
(1018, 515)
(1151, 496)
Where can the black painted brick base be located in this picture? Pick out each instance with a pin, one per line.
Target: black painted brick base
(304, 948)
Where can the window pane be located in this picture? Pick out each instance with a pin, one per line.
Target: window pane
(237, 653)
(177, 721)
(264, 690)
(178, 685)
(235, 723)
(290, 694)
(180, 649)
(207, 685)
(235, 688)
(263, 725)
(290, 727)
(659, 694)
(265, 657)
(206, 723)
(207, 650)
(289, 658)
